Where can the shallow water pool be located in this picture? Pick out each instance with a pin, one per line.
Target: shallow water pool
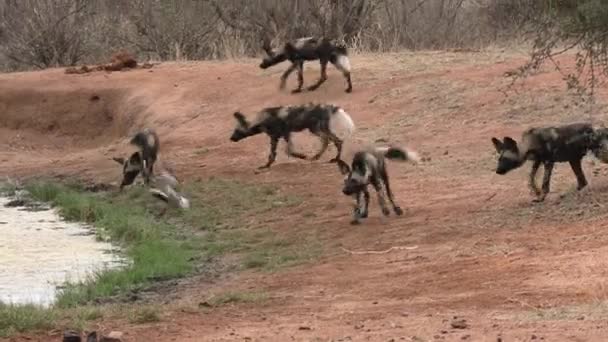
(39, 251)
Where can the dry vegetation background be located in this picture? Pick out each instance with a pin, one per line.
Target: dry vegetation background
(49, 33)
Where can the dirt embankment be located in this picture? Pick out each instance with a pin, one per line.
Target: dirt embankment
(476, 247)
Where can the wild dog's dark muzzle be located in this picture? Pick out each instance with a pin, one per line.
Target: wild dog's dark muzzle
(505, 165)
(236, 136)
(352, 187)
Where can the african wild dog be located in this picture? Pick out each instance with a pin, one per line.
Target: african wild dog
(369, 167)
(309, 49)
(323, 120)
(140, 161)
(546, 146)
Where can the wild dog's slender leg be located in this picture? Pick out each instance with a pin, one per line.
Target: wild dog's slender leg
(396, 208)
(366, 207)
(345, 69)
(324, 143)
(338, 142)
(286, 74)
(532, 181)
(546, 181)
(361, 207)
(578, 172)
(323, 78)
(274, 142)
(379, 186)
(146, 171)
(300, 67)
(290, 148)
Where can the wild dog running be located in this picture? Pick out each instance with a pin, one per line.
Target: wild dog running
(309, 49)
(329, 122)
(142, 160)
(369, 167)
(547, 146)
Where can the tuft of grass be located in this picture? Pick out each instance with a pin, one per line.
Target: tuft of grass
(234, 297)
(23, 318)
(8, 189)
(145, 314)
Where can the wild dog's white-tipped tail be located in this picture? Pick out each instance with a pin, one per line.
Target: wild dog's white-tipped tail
(341, 124)
(399, 153)
(343, 63)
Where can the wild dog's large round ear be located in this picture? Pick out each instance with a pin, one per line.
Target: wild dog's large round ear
(119, 160)
(509, 143)
(497, 144)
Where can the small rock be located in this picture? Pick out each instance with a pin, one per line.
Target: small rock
(533, 337)
(71, 336)
(465, 337)
(304, 327)
(114, 336)
(499, 339)
(459, 324)
(445, 153)
(582, 318)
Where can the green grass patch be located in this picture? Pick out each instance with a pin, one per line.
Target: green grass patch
(226, 218)
(22, 318)
(8, 189)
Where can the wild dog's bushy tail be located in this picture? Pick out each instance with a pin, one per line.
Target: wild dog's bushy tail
(341, 124)
(147, 141)
(399, 153)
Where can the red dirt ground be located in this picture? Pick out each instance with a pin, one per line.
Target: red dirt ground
(477, 248)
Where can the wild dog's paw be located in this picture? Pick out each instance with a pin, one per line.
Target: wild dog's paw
(386, 211)
(398, 211)
(355, 222)
(538, 199)
(296, 91)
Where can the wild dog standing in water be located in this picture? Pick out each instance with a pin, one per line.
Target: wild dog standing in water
(546, 146)
(323, 120)
(140, 161)
(368, 167)
(309, 49)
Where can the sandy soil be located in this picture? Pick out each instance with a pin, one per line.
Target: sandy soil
(471, 245)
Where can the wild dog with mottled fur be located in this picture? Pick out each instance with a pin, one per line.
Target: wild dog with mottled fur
(309, 49)
(142, 160)
(369, 167)
(546, 146)
(323, 120)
